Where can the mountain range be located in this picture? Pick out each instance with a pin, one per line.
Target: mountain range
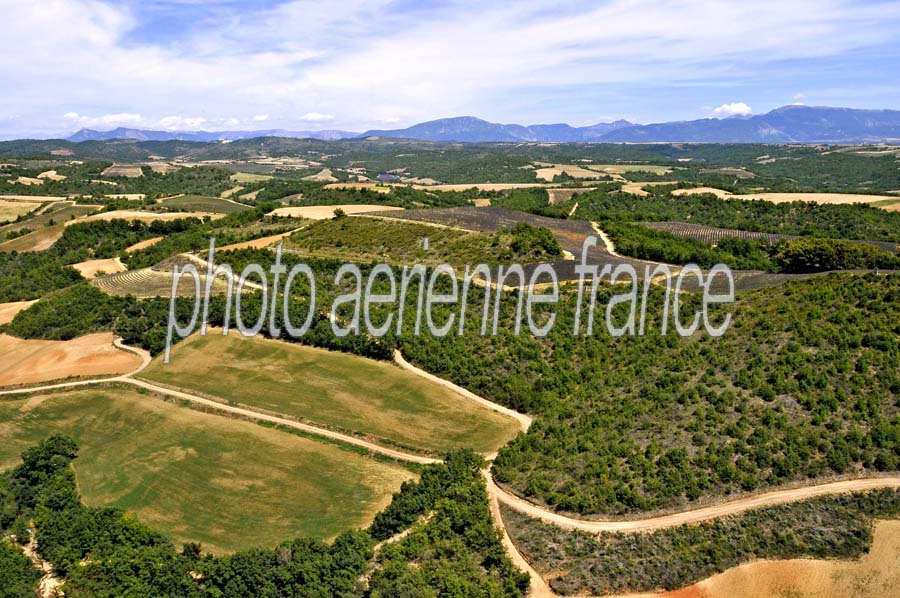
(788, 124)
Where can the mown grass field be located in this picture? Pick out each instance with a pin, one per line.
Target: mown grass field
(202, 203)
(333, 389)
(226, 483)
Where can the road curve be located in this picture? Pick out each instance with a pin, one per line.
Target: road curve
(496, 494)
(765, 499)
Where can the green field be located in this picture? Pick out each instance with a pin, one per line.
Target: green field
(364, 239)
(336, 390)
(202, 203)
(226, 483)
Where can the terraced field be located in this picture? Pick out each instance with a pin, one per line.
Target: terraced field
(149, 282)
(227, 483)
(336, 390)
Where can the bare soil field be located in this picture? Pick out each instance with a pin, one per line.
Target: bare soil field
(8, 311)
(576, 172)
(10, 210)
(623, 168)
(325, 212)
(93, 268)
(260, 243)
(875, 575)
(51, 175)
(36, 361)
(126, 170)
(143, 244)
(822, 198)
(145, 216)
(28, 181)
(377, 187)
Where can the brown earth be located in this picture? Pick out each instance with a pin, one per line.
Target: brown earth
(36, 361)
(325, 212)
(8, 311)
(92, 268)
(875, 575)
(143, 244)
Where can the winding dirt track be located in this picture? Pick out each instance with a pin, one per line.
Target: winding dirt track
(540, 588)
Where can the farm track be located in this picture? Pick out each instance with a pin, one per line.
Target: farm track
(496, 494)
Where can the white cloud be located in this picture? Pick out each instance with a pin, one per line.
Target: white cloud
(181, 123)
(105, 120)
(733, 109)
(261, 118)
(316, 117)
(354, 63)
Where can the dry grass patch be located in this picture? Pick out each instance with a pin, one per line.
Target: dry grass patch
(144, 216)
(576, 172)
(260, 243)
(143, 244)
(28, 181)
(325, 212)
(821, 198)
(51, 175)
(560, 195)
(337, 390)
(226, 483)
(8, 311)
(324, 176)
(93, 268)
(126, 170)
(37, 361)
(229, 192)
(247, 177)
(38, 240)
(377, 187)
(10, 210)
(479, 186)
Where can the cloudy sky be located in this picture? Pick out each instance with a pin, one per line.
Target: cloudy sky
(359, 64)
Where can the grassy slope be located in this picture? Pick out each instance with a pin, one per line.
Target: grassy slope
(227, 483)
(201, 203)
(335, 389)
(368, 239)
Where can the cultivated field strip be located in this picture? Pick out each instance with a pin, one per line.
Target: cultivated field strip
(149, 282)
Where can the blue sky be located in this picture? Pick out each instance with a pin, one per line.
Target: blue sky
(359, 64)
